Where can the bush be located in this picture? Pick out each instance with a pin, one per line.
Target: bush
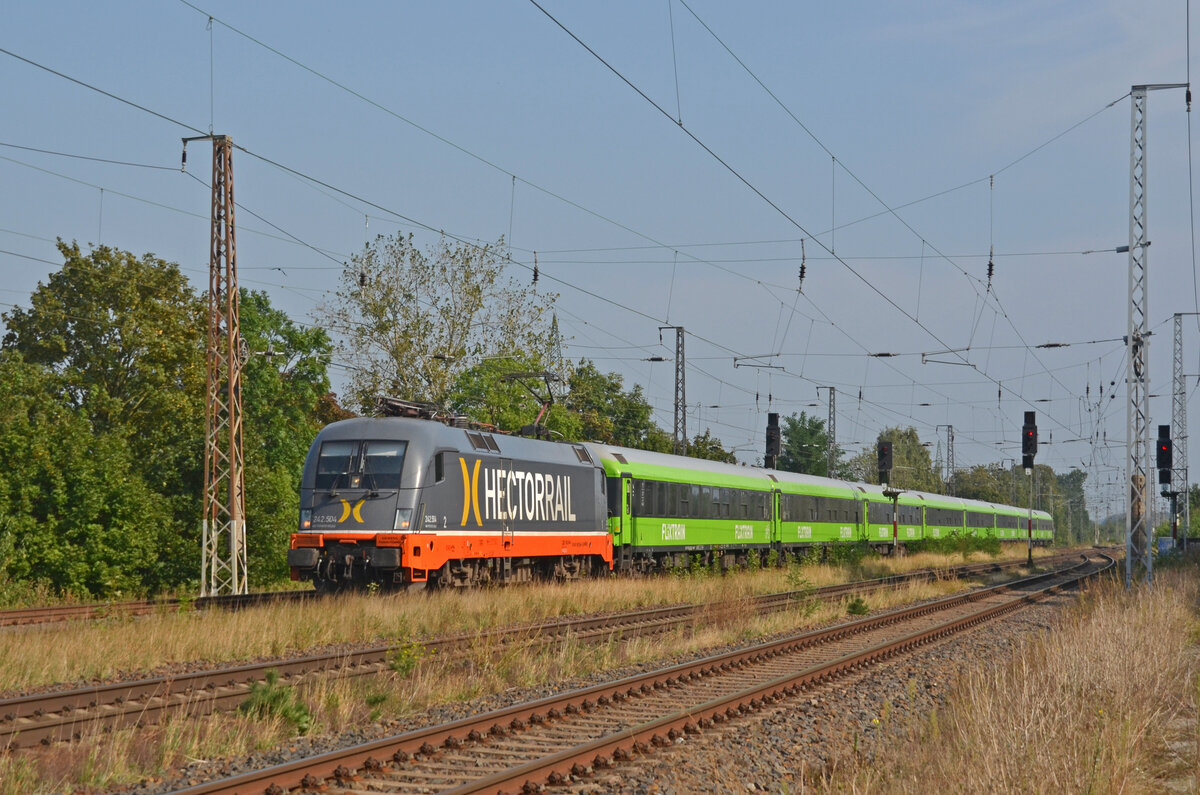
(271, 699)
(857, 607)
(957, 544)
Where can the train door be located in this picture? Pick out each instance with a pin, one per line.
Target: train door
(506, 521)
(777, 524)
(626, 517)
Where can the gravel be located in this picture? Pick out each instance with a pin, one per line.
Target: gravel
(777, 749)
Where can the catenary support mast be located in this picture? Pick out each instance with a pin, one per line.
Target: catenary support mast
(681, 440)
(223, 561)
(831, 427)
(1138, 562)
(1179, 425)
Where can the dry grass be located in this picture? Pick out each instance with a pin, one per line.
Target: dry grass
(89, 650)
(94, 651)
(1106, 704)
(337, 705)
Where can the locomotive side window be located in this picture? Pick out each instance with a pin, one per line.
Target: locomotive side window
(335, 460)
(614, 496)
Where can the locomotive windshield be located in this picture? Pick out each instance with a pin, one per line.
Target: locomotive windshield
(370, 464)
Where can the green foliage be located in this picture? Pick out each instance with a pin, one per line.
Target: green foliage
(912, 467)
(376, 701)
(857, 607)
(988, 483)
(609, 414)
(74, 512)
(124, 339)
(849, 554)
(804, 447)
(957, 544)
(705, 445)
(490, 393)
(1072, 522)
(803, 591)
(273, 699)
(102, 390)
(124, 334)
(411, 322)
(405, 656)
(284, 380)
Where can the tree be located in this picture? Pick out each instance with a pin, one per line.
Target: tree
(75, 514)
(285, 390)
(1073, 508)
(804, 447)
(609, 414)
(285, 379)
(412, 322)
(123, 333)
(987, 483)
(124, 338)
(105, 383)
(501, 392)
(705, 445)
(912, 467)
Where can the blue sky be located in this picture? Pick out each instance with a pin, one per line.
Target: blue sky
(874, 105)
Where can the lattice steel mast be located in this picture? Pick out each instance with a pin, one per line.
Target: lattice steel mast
(831, 429)
(950, 460)
(1138, 562)
(223, 563)
(1179, 423)
(681, 440)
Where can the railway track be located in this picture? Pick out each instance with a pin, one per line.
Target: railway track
(64, 715)
(26, 616)
(564, 739)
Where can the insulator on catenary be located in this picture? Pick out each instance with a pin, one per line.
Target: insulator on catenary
(803, 267)
(535, 268)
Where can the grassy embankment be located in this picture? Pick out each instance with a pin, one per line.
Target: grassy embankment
(104, 650)
(1105, 703)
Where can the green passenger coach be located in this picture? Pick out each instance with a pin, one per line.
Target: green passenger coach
(669, 511)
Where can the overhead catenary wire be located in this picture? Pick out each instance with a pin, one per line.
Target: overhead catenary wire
(425, 227)
(364, 98)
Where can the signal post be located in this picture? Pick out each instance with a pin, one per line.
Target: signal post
(884, 454)
(1028, 451)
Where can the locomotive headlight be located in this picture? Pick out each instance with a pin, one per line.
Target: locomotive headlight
(403, 518)
(305, 519)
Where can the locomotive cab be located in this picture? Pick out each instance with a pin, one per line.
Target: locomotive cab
(359, 497)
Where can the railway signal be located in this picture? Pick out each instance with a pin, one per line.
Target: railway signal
(884, 454)
(1028, 451)
(773, 440)
(1029, 439)
(1164, 455)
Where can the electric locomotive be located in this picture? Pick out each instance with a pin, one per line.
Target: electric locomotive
(396, 501)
